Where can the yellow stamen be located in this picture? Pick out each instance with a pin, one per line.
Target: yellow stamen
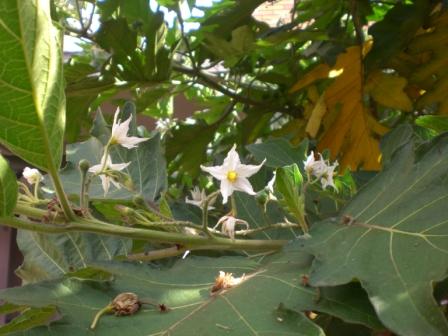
(232, 176)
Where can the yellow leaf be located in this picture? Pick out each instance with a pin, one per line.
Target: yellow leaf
(318, 112)
(351, 136)
(387, 90)
(319, 72)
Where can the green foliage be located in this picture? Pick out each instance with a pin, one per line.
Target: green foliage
(8, 188)
(148, 176)
(392, 238)
(334, 76)
(273, 285)
(289, 184)
(279, 153)
(49, 257)
(31, 83)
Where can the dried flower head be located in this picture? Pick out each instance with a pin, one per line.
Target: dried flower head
(126, 304)
(225, 281)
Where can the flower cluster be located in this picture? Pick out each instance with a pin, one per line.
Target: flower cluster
(119, 136)
(321, 170)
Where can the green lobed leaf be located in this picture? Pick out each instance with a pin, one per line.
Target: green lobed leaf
(278, 152)
(249, 210)
(31, 83)
(273, 286)
(52, 256)
(392, 237)
(8, 188)
(189, 144)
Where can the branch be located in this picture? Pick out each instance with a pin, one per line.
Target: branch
(190, 242)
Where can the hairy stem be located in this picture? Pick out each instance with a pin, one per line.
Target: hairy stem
(190, 242)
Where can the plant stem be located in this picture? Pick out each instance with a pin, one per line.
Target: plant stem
(62, 197)
(158, 254)
(98, 315)
(234, 208)
(205, 213)
(267, 227)
(190, 242)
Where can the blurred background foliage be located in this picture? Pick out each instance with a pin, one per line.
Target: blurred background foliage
(339, 72)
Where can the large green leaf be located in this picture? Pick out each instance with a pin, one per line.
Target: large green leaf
(8, 188)
(147, 169)
(273, 287)
(32, 112)
(278, 152)
(251, 211)
(393, 237)
(51, 256)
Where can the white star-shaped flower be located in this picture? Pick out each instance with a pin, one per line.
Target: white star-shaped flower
(233, 174)
(315, 167)
(32, 175)
(228, 224)
(106, 164)
(327, 177)
(198, 198)
(120, 133)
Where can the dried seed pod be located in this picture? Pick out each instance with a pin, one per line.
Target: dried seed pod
(126, 304)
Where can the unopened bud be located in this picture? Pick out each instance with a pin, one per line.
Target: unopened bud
(139, 201)
(124, 210)
(84, 165)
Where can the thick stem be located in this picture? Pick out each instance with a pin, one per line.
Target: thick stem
(189, 242)
(62, 197)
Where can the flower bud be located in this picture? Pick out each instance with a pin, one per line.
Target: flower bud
(84, 165)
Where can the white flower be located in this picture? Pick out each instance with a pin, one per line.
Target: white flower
(315, 167)
(233, 174)
(327, 178)
(164, 125)
(106, 164)
(199, 197)
(32, 175)
(120, 133)
(228, 224)
(270, 188)
(321, 169)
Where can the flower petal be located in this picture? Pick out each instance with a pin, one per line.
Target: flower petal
(118, 166)
(248, 170)
(226, 190)
(105, 181)
(232, 159)
(122, 130)
(131, 142)
(95, 169)
(216, 171)
(243, 184)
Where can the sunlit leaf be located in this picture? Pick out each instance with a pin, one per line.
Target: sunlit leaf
(272, 285)
(31, 83)
(392, 237)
